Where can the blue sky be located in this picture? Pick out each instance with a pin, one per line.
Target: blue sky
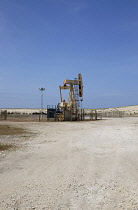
(43, 42)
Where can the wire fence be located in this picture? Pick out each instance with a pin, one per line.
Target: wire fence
(83, 115)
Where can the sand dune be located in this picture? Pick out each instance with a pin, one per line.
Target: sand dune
(128, 110)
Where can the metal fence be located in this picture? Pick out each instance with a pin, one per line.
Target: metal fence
(113, 114)
(83, 114)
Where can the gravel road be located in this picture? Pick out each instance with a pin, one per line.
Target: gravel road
(89, 165)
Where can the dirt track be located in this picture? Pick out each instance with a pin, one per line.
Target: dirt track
(81, 166)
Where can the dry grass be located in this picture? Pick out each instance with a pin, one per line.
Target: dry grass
(11, 130)
(8, 130)
(4, 147)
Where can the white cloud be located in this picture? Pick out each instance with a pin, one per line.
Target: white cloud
(75, 5)
(130, 25)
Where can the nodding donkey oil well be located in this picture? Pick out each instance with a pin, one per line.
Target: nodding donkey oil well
(69, 110)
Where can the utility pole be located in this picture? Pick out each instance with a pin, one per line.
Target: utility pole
(41, 113)
(81, 109)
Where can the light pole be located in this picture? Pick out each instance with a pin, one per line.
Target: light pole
(41, 89)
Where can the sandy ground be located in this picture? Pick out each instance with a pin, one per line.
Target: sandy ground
(80, 165)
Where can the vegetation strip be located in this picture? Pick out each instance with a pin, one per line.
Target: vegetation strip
(11, 130)
(4, 147)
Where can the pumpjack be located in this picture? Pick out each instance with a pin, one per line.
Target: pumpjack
(69, 111)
